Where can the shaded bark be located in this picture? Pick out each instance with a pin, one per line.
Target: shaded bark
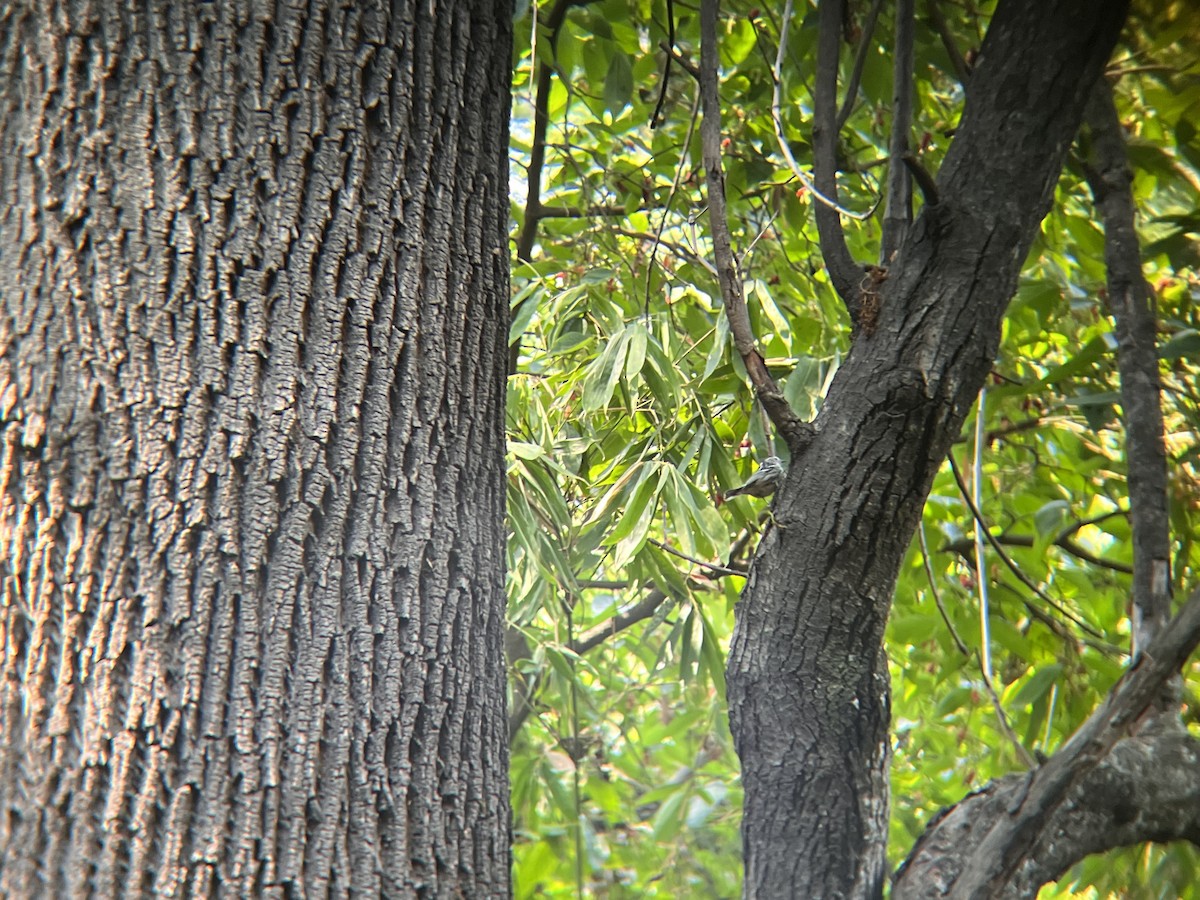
(898, 209)
(1132, 308)
(844, 273)
(807, 678)
(253, 322)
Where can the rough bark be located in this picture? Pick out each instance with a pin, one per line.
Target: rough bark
(253, 304)
(808, 682)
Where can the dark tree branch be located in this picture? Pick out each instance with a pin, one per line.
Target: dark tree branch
(631, 615)
(684, 63)
(963, 547)
(1132, 307)
(796, 432)
(845, 274)
(526, 687)
(541, 122)
(923, 179)
(1028, 824)
(942, 27)
(527, 236)
(666, 75)
(897, 213)
(860, 60)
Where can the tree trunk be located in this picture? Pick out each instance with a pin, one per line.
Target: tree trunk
(808, 679)
(253, 323)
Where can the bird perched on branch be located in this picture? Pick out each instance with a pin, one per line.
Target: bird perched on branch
(764, 482)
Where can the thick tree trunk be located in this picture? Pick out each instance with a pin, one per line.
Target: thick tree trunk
(808, 681)
(253, 321)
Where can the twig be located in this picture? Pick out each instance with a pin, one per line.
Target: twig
(571, 212)
(662, 223)
(1025, 756)
(666, 75)
(942, 27)
(1063, 543)
(937, 597)
(677, 248)
(684, 63)
(705, 566)
(1005, 558)
(541, 122)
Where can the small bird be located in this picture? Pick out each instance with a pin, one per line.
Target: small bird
(764, 482)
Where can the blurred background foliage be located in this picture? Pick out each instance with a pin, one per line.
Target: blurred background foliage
(629, 413)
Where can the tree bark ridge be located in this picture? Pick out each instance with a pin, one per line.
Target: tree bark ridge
(254, 270)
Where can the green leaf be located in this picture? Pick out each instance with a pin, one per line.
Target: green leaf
(602, 376)
(636, 357)
(618, 83)
(739, 40)
(1036, 686)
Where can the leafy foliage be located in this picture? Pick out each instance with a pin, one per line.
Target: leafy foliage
(630, 414)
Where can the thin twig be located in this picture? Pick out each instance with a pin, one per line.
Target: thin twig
(666, 75)
(662, 222)
(705, 566)
(937, 596)
(1006, 559)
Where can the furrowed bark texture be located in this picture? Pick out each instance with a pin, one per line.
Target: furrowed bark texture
(253, 322)
(808, 682)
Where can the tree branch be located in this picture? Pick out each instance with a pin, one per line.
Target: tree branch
(517, 647)
(897, 213)
(1145, 789)
(845, 274)
(777, 124)
(534, 211)
(796, 432)
(860, 60)
(963, 547)
(942, 27)
(1028, 822)
(1131, 305)
(541, 121)
(1004, 557)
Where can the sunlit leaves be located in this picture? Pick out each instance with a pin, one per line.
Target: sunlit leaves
(629, 413)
